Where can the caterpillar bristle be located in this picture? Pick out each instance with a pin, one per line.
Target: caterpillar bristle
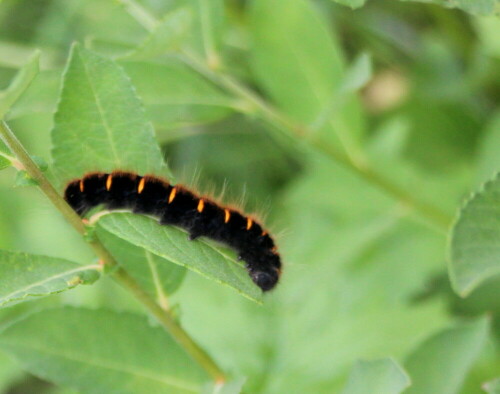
(179, 206)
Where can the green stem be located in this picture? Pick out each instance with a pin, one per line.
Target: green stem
(171, 325)
(281, 122)
(120, 275)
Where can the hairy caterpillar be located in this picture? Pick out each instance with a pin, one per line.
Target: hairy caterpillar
(176, 205)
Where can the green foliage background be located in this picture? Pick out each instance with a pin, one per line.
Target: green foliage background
(362, 135)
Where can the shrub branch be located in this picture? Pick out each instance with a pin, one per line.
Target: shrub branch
(119, 274)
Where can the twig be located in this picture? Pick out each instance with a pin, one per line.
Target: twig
(281, 122)
(120, 275)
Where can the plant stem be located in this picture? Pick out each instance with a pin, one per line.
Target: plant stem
(120, 275)
(171, 325)
(281, 122)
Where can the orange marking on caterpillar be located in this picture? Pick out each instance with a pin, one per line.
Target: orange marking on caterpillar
(109, 181)
(264, 233)
(140, 187)
(201, 205)
(81, 186)
(249, 223)
(172, 195)
(227, 215)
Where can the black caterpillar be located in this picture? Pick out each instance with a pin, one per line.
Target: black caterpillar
(176, 205)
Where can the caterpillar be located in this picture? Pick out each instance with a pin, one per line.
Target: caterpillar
(178, 206)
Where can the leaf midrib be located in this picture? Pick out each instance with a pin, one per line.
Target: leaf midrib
(107, 127)
(11, 296)
(171, 382)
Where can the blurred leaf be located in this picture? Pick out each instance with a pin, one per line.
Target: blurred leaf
(19, 84)
(440, 364)
(300, 65)
(383, 376)
(489, 30)
(352, 251)
(100, 123)
(97, 351)
(40, 162)
(389, 139)
(173, 245)
(159, 277)
(40, 97)
(489, 159)
(4, 148)
(24, 276)
(231, 387)
(24, 179)
(166, 37)
(351, 3)
(4, 162)
(65, 21)
(207, 28)
(475, 242)
(175, 96)
(479, 7)
(492, 387)
(442, 136)
(9, 372)
(358, 74)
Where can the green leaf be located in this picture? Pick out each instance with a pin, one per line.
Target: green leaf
(231, 387)
(40, 97)
(475, 239)
(100, 123)
(441, 363)
(351, 3)
(383, 376)
(4, 149)
(98, 351)
(478, 7)
(4, 162)
(488, 29)
(10, 372)
(24, 276)
(20, 83)
(24, 179)
(166, 37)
(176, 96)
(40, 162)
(299, 63)
(358, 74)
(159, 277)
(173, 245)
(492, 387)
(207, 29)
(489, 159)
